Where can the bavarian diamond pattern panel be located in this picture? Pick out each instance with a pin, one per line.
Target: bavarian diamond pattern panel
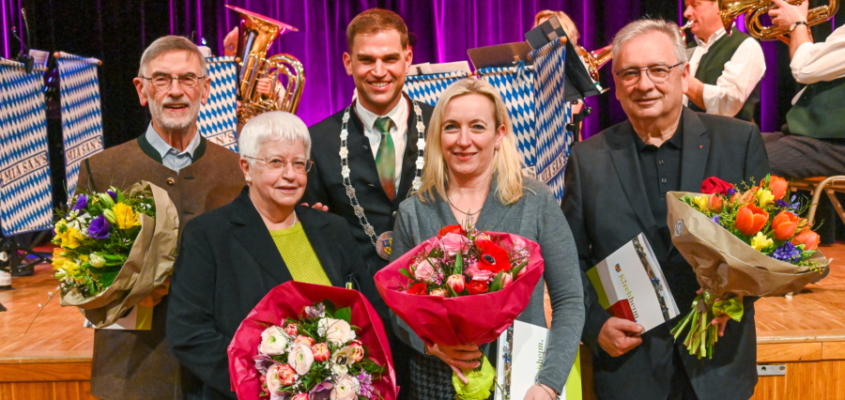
(26, 202)
(82, 119)
(427, 88)
(552, 113)
(516, 86)
(218, 119)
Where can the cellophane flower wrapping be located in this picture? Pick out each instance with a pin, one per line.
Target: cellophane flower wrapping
(146, 268)
(476, 318)
(289, 300)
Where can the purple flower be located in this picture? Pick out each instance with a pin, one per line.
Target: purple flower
(263, 363)
(318, 311)
(365, 381)
(81, 203)
(731, 192)
(99, 228)
(112, 194)
(788, 252)
(716, 219)
(322, 391)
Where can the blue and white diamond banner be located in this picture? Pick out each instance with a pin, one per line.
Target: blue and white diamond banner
(82, 117)
(516, 86)
(427, 88)
(26, 201)
(552, 113)
(218, 119)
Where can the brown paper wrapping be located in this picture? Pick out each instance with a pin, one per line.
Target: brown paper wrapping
(723, 263)
(149, 264)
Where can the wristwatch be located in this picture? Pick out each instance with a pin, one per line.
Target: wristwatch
(795, 25)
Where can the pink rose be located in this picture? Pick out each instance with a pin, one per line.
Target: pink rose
(424, 271)
(304, 339)
(284, 373)
(477, 273)
(507, 279)
(453, 243)
(437, 292)
(357, 350)
(291, 329)
(457, 283)
(321, 352)
(301, 396)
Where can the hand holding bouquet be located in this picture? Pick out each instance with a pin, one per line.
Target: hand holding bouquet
(748, 242)
(301, 342)
(463, 286)
(116, 249)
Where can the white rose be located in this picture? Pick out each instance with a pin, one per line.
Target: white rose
(345, 388)
(300, 358)
(273, 382)
(274, 341)
(336, 331)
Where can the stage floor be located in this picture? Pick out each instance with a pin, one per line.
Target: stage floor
(53, 360)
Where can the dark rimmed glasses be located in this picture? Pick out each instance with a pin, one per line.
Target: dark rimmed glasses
(164, 82)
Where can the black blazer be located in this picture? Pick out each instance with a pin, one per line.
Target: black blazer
(227, 263)
(606, 205)
(325, 184)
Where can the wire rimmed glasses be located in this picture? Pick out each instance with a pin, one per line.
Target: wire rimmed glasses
(656, 73)
(276, 164)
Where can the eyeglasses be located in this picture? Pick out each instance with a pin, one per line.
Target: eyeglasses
(657, 73)
(163, 82)
(279, 164)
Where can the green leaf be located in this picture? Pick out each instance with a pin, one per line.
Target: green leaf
(518, 268)
(497, 282)
(344, 314)
(451, 291)
(107, 278)
(459, 264)
(407, 273)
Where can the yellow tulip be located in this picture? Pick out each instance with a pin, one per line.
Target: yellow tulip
(701, 202)
(71, 238)
(59, 258)
(765, 197)
(761, 241)
(70, 267)
(125, 216)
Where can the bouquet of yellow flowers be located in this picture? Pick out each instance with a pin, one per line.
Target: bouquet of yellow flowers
(116, 249)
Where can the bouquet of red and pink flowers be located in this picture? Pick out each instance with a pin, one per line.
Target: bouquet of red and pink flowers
(463, 286)
(740, 241)
(312, 342)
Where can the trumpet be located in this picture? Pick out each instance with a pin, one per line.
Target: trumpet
(257, 34)
(731, 9)
(595, 59)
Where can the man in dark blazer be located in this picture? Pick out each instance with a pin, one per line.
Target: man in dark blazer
(384, 132)
(616, 184)
(198, 175)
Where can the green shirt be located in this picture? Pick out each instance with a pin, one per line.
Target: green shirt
(296, 250)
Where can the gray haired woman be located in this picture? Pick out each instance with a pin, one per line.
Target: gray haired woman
(233, 256)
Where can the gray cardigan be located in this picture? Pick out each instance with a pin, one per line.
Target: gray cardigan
(536, 216)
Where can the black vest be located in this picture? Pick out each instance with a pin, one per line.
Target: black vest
(712, 65)
(818, 112)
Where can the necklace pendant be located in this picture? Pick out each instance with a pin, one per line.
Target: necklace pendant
(384, 245)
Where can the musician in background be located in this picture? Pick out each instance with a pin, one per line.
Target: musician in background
(814, 141)
(383, 132)
(265, 86)
(724, 70)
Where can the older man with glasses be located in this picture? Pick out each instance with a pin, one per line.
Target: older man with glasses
(616, 185)
(198, 175)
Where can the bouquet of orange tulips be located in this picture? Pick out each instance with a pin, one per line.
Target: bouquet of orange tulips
(746, 241)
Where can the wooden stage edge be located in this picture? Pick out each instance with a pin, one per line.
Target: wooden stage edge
(804, 333)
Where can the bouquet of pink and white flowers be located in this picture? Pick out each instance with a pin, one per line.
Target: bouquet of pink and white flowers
(315, 352)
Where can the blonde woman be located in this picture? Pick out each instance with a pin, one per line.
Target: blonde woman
(473, 176)
(568, 25)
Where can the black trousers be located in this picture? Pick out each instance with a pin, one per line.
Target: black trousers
(795, 156)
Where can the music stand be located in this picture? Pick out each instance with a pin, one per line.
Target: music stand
(18, 249)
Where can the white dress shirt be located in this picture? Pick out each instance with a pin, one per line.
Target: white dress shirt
(398, 128)
(741, 75)
(819, 62)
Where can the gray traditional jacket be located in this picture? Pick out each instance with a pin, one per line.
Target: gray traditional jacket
(536, 216)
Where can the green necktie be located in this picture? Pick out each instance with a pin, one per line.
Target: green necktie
(386, 158)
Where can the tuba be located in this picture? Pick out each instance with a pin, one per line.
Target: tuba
(731, 9)
(595, 59)
(257, 33)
